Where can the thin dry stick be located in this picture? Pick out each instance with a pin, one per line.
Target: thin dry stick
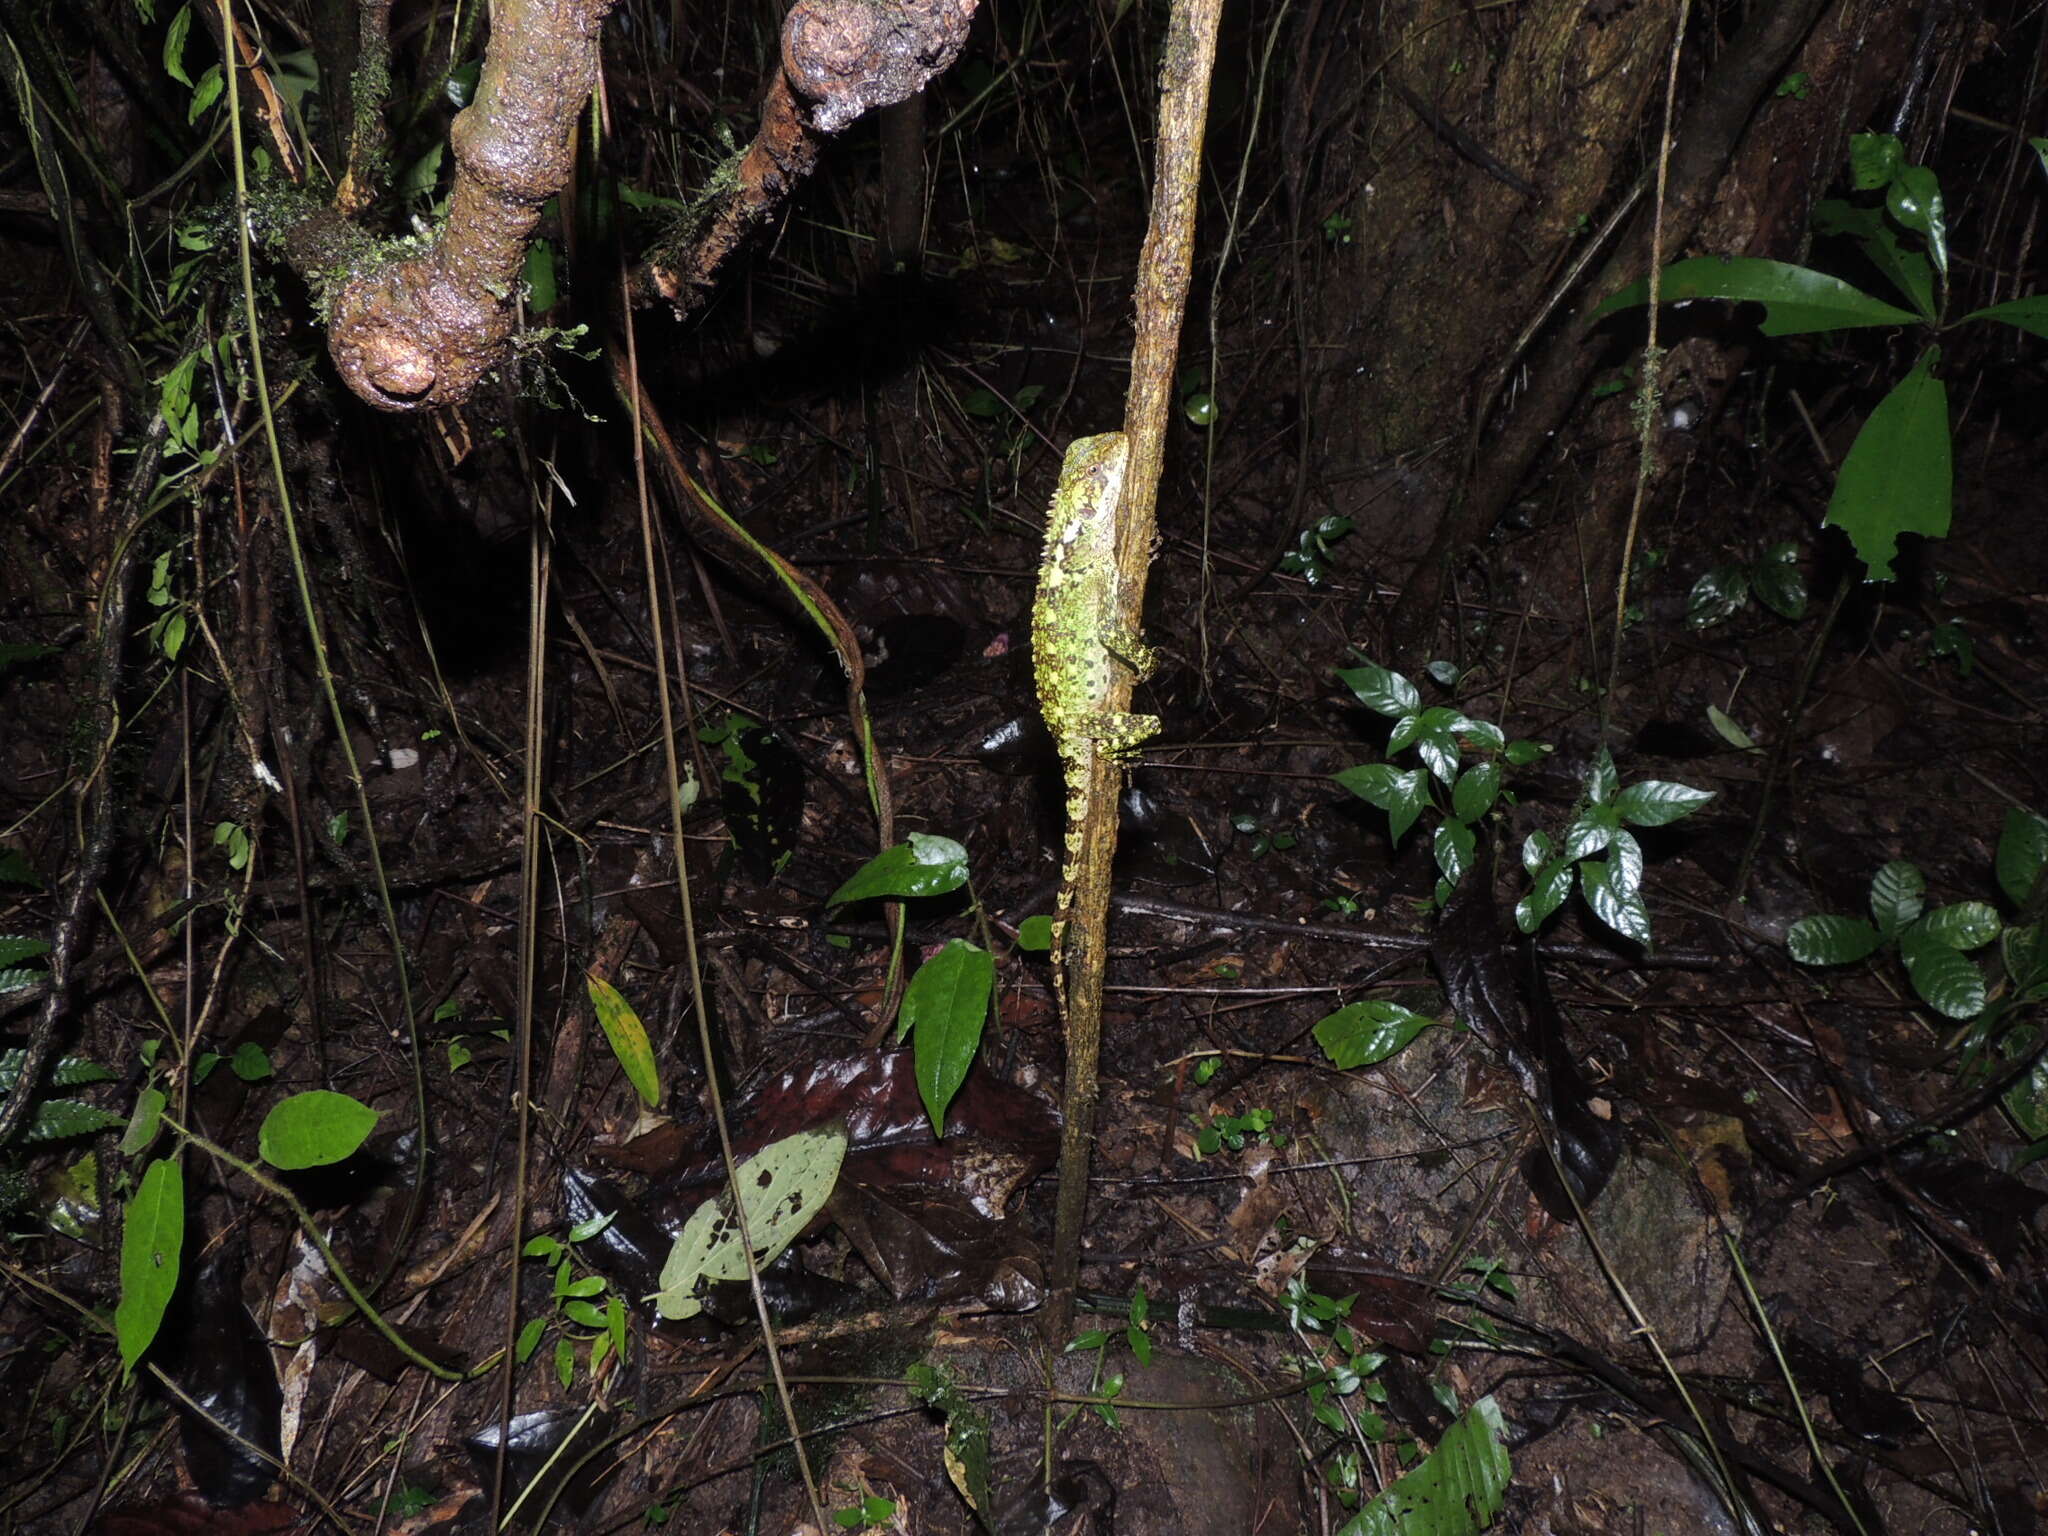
(1162, 289)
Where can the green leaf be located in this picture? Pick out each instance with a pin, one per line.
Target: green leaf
(152, 1245)
(251, 1063)
(1658, 803)
(2022, 850)
(1536, 851)
(529, 1338)
(142, 1124)
(1402, 795)
(1384, 692)
(1874, 159)
(1453, 849)
(1730, 732)
(174, 46)
(922, 865)
(1545, 896)
(1621, 910)
(1477, 789)
(1946, 981)
(1591, 832)
(1601, 779)
(628, 1039)
(1897, 477)
(17, 947)
(1825, 940)
(1456, 1490)
(1034, 934)
(583, 1313)
(1897, 894)
(1521, 754)
(1797, 300)
(782, 1187)
(1910, 272)
(2030, 314)
(1368, 1033)
(1625, 864)
(1914, 199)
(313, 1129)
(1964, 925)
(944, 1009)
(1717, 596)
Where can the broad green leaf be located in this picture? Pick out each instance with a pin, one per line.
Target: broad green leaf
(152, 1245)
(1452, 846)
(2027, 1100)
(1521, 754)
(2030, 314)
(1457, 1490)
(1780, 586)
(1914, 199)
(967, 1436)
(1402, 795)
(1797, 300)
(1897, 477)
(1034, 934)
(1536, 851)
(1477, 790)
(529, 1338)
(251, 1063)
(1591, 832)
(628, 1039)
(1383, 692)
(1545, 896)
(1625, 864)
(944, 1009)
(1831, 940)
(1964, 925)
(1658, 803)
(1601, 780)
(1897, 894)
(1365, 1034)
(2022, 850)
(921, 865)
(1717, 596)
(1623, 911)
(782, 1187)
(1946, 981)
(313, 1129)
(149, 1109)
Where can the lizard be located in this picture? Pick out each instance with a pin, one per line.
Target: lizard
(1078, 639)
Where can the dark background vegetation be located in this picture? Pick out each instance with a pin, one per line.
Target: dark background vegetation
(1385, 327)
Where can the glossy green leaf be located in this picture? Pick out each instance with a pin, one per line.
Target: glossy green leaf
(1365, 1034)
(1658, 803)
(1914, 199)
(1874, 159)
(1947, 981)
(1897, 894)
(1909, 271)
(1546, 895)
(313, 1129)
(1619, 909)
(1477, 789)
(1452, 847)
(921, 865)
(1591, 831)
(944, 1009)
(627, 1037)
(1384, 692)
(1779, 584)
(782, 1187)
(1625, 864)
(1828, 940)
(1897, 477)
(2022, 851)
(1536, 851)
(1717, 596)
(1401, 794)
(1456, 1490)
(1797, 300)
(1964, 925)
(152, 1246)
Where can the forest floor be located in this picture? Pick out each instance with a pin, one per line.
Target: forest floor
(1799, 1174)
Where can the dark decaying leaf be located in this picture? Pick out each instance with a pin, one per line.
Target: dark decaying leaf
(219, 1359)
(931, 1245)
(1078, 1489)
(534, 1443)
(1861, 1405)
(1994, 1206)
(1510, 1009)
(998, 1136)
(362, 1345)
(1395, 1310)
